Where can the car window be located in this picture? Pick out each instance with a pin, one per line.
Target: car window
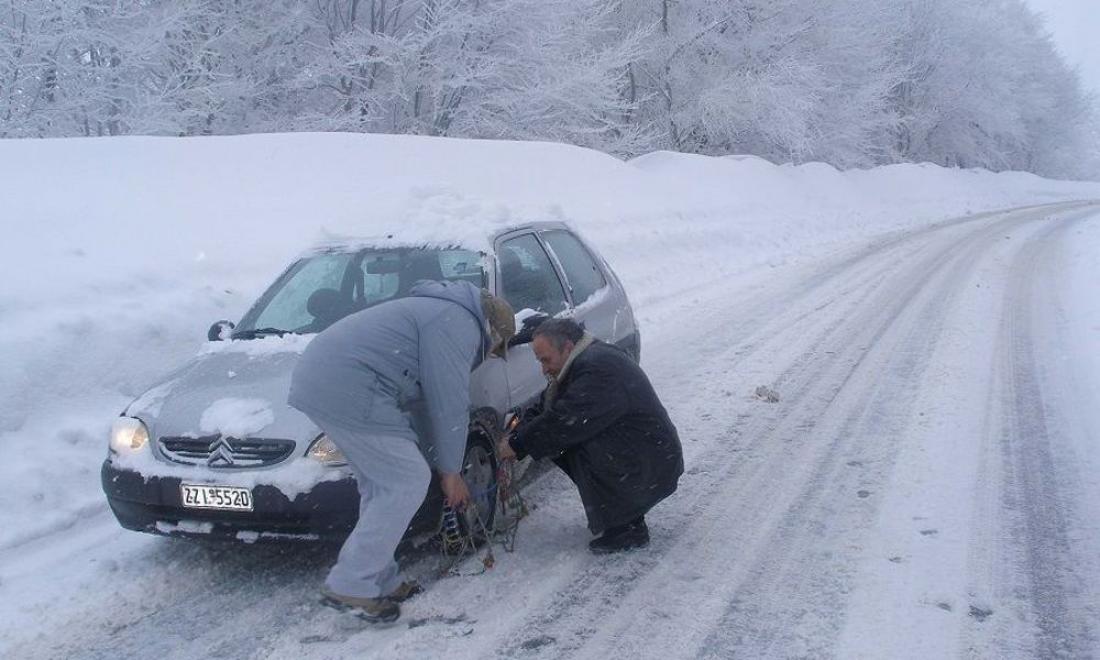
(528, 280)
(378, 275)
(462, 265)
(581, 271)
(321, 289)
(287, 307)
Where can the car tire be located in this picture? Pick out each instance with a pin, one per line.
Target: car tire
(479, 470)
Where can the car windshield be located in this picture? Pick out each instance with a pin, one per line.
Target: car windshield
(319, 290)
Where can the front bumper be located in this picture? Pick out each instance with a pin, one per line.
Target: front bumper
(327, 512)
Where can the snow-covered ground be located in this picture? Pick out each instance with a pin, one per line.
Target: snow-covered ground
(896, 486)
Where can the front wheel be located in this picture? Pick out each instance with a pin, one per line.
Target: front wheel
(479, 470)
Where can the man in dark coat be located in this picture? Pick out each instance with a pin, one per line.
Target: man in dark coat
(602, 423)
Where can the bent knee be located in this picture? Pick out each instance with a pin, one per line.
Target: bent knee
(414, 475)
(421, 477)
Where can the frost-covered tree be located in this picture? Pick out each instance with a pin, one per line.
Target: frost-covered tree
(972, 84)
(1053, 108)
(786, 79)
(984, 87)
(520, 69)
(28, 71)
(213, 67)
(63, 69)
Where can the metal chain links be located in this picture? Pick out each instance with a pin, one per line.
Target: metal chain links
(459, 542)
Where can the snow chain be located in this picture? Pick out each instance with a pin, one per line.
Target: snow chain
(459, 542)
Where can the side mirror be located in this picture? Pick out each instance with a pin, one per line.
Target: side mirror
(220, 331)
(527, 332)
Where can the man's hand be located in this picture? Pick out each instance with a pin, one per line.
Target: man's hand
(454, 490)
(504, 449)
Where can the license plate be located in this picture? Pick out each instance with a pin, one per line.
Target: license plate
(226, 498)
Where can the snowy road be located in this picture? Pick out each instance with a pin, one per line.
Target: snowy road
(925, 486)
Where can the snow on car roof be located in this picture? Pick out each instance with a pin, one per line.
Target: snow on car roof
(440, 219)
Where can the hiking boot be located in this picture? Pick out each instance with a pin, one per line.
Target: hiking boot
(371, 610)
(405, 591)
(634, 534)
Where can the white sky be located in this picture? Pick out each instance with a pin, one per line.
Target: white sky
(1075, 25)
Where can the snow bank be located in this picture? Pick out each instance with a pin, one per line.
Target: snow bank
(118, 253)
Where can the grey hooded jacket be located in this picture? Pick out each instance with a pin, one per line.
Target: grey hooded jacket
(398, 368)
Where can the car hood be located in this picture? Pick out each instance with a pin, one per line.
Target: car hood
(232, 388)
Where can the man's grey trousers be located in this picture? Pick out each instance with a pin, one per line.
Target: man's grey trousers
(393, 481)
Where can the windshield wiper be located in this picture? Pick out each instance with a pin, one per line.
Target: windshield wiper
(260, 332)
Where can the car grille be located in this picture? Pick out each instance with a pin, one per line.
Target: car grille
(217, 451)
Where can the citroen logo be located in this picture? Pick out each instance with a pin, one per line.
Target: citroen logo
(221, 453)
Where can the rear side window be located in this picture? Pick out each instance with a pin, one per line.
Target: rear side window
(580, 267)
(528, 279)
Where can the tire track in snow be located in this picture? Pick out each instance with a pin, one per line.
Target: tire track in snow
(805, 621)
(818, 510)
(1033, 501)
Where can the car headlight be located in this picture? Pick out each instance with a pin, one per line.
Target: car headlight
(325, 451)
(128, 434)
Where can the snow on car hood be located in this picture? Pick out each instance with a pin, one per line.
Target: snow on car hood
(238, 389)
(234, 388)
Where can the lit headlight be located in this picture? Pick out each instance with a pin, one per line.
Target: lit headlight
(128, 435)
(326, 452)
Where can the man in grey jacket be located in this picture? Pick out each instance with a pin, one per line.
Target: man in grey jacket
(357, 380)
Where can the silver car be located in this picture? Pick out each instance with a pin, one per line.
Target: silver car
(213, 451)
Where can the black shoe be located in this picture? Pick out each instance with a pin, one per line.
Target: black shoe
(634, 534)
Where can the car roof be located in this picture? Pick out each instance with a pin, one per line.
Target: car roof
(472, 240)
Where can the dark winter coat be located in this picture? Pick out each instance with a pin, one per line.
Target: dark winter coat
(609, 432)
